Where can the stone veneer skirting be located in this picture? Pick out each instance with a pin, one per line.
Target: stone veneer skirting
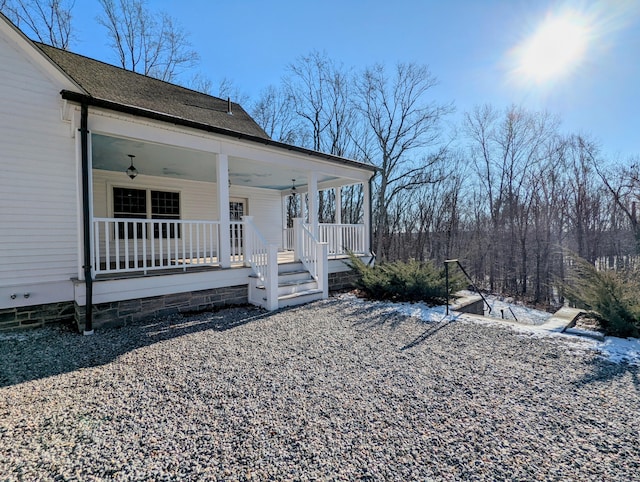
(342, 280)
(122, 313)
(35, 316)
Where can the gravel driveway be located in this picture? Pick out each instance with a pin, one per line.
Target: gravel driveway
(336, 390)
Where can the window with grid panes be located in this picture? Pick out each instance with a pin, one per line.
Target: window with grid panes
(131, 204)
(165, 205)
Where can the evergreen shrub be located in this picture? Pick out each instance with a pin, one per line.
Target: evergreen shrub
(405, 281)
(611, 297)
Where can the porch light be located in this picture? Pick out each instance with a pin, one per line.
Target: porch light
(132, 172)
(293, 187)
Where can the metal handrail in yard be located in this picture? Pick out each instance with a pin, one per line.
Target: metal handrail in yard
(446, 270)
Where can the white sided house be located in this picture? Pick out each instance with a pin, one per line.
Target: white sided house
(122, 197)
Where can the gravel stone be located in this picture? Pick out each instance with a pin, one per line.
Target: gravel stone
(335, 390)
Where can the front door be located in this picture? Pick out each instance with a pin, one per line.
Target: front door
(237, 209)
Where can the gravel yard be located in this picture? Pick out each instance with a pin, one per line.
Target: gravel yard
(334, 390)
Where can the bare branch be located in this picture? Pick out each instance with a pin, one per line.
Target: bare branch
(147, 42)
(49, 21)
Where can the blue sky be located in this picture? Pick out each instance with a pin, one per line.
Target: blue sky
(468, 45)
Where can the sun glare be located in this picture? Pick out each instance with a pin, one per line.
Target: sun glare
(554, 51)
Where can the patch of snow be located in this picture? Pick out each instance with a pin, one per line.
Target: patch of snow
(505, 308)
(620, 350)
(616, 350)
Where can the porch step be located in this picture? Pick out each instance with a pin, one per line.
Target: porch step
(294, 285)
(299, 298)
(293, 267)
(290, 276)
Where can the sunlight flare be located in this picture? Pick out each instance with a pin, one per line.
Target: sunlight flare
(554, 51)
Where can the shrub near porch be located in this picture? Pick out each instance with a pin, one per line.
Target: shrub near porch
(405, 281)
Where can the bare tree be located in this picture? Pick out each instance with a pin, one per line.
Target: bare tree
(201, 83)
(585, 206)
(49, 21)
(305, 90)
(401, 123)
(318, 90)
(147, 42)
(274, 113)
(622, 181)
(507, 150)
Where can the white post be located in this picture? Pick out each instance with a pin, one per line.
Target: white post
(323, 269)
(338, 248)
(366, 216)
(312, 185)
(297, 238)
(222, 175)
(271, 277)
(248, 239)
(283, 212)
(338, 194)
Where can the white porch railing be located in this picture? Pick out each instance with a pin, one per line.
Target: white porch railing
(288, 239)
(342, 238)
(142, 245)
(237, 239)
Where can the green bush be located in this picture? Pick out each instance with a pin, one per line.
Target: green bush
(612, 297)
(399, 281)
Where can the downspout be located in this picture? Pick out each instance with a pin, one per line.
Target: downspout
(86, 219)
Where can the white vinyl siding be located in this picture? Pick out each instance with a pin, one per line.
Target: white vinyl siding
(198, 200)
(38, 189)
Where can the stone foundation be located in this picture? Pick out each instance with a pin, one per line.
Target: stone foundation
(122, 313)
(35, 316)
(342, 280)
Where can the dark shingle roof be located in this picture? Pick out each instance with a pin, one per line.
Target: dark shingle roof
(114, 84)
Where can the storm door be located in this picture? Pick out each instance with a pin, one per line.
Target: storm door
(237, 209)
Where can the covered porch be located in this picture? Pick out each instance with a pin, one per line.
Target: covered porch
(165, 209)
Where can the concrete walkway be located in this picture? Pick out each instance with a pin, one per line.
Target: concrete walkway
(561, 320)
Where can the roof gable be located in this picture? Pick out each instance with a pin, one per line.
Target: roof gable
(20, 42)
(120, 86)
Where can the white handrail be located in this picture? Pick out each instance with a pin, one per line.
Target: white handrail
(313, 254)
(124, 245)
(309, 250)
(256, 249)
(262, 257)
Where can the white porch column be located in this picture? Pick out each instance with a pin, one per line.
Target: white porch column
(366, 215)
(283, 211)
(312, 185)
(222, 175)
(338, 194)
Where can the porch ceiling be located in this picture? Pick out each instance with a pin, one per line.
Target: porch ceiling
(111, 154)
